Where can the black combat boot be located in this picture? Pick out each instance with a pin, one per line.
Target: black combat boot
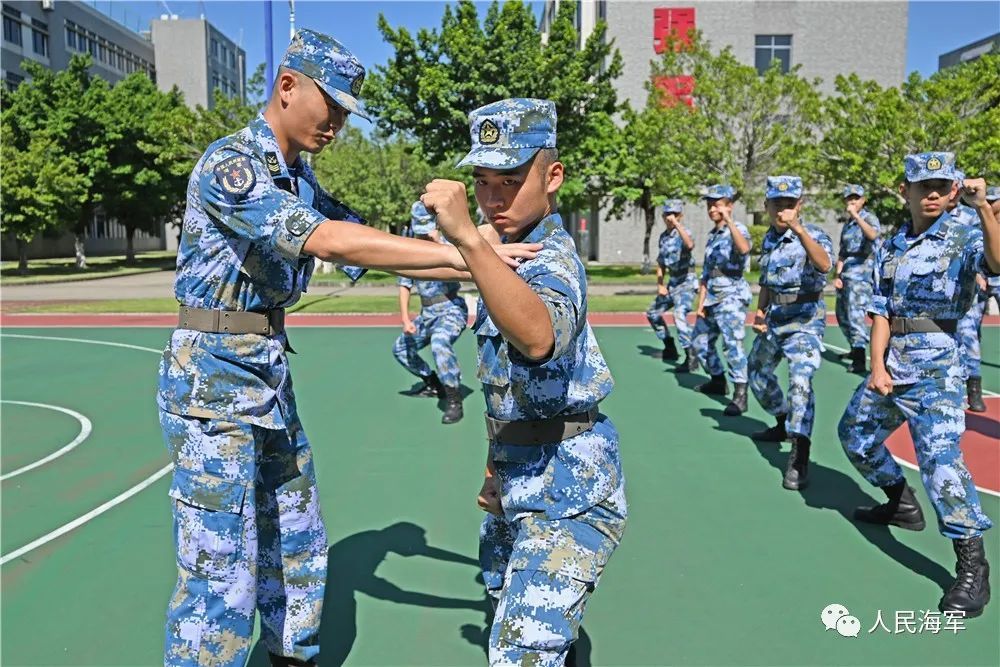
(716, 386)
(776, 433)
(797, 468)
(858, 361)
(690, 363)
(669, 350)
(974, 393)
(739, 403)
(431, 387)
(453, 406)
(901, 510)
(971, 590)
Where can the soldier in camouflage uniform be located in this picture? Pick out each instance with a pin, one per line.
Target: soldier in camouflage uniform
(675, 246)
(723, 298)
(442, 319)
(858, 241)
(969, 324)
(925, 279)
(790, 322)
(554, 485)
(247, 523)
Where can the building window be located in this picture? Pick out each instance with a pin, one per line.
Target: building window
(92, 47)
(12, 80)
(70, 36)
(12, 26)
(40, 37)
(215, 48)
(215, 81)
(773, 47)
(232, 59)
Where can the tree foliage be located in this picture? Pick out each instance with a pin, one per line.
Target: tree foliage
(434, 79)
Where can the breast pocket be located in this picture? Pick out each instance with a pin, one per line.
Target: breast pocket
(933, 278)
(494, 363)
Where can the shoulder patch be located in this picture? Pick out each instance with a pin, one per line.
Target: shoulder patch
(235, 175)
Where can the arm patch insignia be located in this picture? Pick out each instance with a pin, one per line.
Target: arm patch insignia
(235, 175)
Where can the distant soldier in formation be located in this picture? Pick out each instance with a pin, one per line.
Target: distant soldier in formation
(858, 242)
(723, 299)
(790, 322)
(677, 294)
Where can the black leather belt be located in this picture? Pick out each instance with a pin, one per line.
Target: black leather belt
(269, 323)
(908, 325)
(719, 273)
(540, 431)
(436, 299)
(788, 299)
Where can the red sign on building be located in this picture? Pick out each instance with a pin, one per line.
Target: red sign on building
(676, 89)
(673, 22)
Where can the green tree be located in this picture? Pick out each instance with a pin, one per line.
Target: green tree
(149, 160)
(70, 108)
(870, 129)
(380, 177)
(434, 80)
(37, 184)
(745, 125)
(650, 157)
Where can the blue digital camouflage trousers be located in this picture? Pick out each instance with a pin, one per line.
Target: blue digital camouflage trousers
(933, 409)
(853, 301)
(968, 337)
(439, 326)
(249, 536)
(802, 349)
(540, 573)
(727, 318)
(680, 299)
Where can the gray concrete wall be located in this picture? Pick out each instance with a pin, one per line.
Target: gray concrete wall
(181, 48)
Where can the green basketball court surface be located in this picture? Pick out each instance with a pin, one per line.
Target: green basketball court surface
(719, 565)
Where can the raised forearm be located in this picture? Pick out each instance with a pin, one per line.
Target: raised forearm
(515, 309)
(349, 243)
(869, 231)
(991, 236)
(814, 251)
(433, 274)
(685, 236)
(740, 243)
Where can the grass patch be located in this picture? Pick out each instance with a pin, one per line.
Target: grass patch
(316, 304)
(63, 269)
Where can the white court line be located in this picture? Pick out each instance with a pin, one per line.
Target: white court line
(96, 512)
(84, 340)
(85, 428)
(117, 500)
(907, 464)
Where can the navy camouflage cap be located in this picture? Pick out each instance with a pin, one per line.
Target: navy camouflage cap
(853, 189)
(779, 187)
(328, 62)
(422, 221)
(673, 206)
(508, 133)
(929, 166)
(719, 192)
(993, 193)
